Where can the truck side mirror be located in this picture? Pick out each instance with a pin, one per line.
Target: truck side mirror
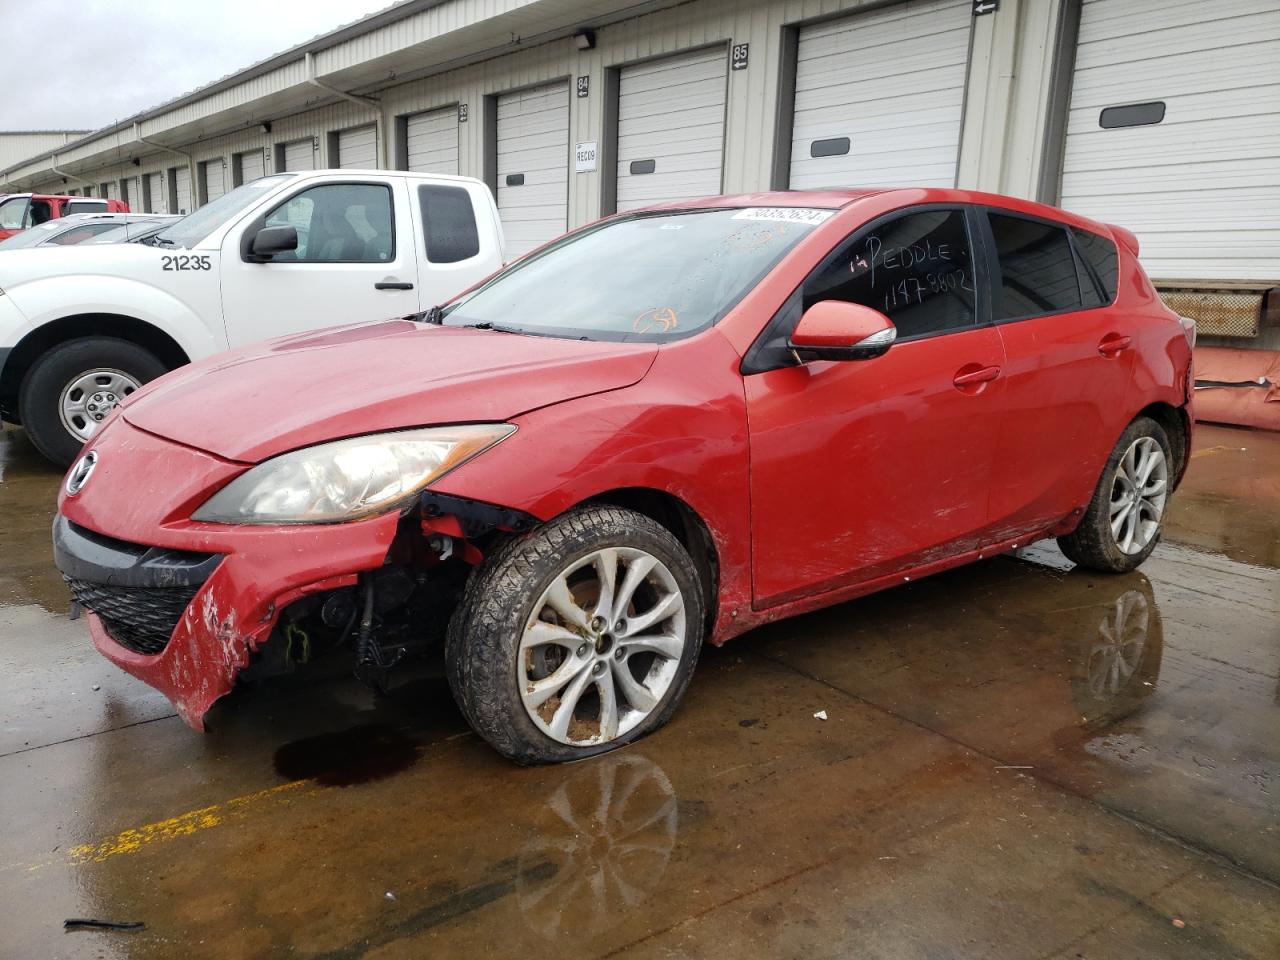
(837, 330)
(269, 241)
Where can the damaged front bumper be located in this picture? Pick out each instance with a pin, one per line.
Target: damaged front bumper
(183, 606)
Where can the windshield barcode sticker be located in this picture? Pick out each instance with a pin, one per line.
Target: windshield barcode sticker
(807, 215)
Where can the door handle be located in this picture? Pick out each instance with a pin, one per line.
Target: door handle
(392, 285)
(1113, 344)
(971, 378)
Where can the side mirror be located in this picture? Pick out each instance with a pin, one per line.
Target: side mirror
(835, 330)
(269, 241)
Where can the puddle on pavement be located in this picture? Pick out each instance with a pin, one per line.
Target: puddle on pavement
(347, 757)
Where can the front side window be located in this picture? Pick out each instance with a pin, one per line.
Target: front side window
(916, 269)
(1037, 269)
(12, 214)
(645, 277)
(339, 223)
(449, 222)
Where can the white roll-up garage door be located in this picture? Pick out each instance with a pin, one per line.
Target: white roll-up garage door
(671, 128)
(533, 166)
(1174, 133)
(155, 187)
(432, 141)
(299, 155)
(880, 97)
(182, 189)
(252, 165)
(358, 148)
(215, 182)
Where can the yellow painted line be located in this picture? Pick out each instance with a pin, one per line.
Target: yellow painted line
(1208, 450)
(163, 831)
(184, 824)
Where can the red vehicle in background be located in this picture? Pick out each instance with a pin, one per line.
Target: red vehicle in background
(19, 211)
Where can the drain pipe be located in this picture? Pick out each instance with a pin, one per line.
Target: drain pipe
(371, 103)
(53, 166)
(191, 163)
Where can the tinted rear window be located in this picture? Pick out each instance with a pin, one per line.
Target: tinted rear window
(1037, 268)
(1101, 263)
(449, 222)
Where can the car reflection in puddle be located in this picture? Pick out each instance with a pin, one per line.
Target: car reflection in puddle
(600, 847)
(1121, 662)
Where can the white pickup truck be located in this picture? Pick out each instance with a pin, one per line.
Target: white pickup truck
(83, 327)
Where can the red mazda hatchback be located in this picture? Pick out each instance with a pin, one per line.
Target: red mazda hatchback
(660, 430)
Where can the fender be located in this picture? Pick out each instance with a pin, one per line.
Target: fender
(46, 299)
(644, 436)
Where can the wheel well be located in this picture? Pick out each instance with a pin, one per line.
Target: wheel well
(34, 344)
(1177, 427)
(685, 525)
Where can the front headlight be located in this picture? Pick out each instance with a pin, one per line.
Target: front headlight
(348, 479)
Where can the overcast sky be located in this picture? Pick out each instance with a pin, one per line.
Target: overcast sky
(80, 64)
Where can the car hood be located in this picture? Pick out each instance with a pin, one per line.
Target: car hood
(254, 403)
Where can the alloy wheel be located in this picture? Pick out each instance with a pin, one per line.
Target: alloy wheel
(1139, 492)
(602, 646)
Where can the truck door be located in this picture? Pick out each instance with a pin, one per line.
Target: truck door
(356, 260)
(458, 243)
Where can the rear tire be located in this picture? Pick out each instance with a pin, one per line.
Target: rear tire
(542, 686)
(1125, 517)
(58, 389)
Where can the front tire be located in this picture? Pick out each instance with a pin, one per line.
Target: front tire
(70, 389)
(1123, 521)
(577, 639)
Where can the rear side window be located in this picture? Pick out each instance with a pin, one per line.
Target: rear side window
(1037, 268)
(85, 206)
(82, 233)
(915, 269)
(1101, 266)
(449, 221)
(12, 214)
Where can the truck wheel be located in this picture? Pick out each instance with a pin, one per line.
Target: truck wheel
(1122, 523)
(577, 639)
(73, 386)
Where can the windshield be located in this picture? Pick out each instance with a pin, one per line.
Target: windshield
(194, 227)
(649, 277)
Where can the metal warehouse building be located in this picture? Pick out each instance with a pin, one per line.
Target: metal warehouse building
(1161, 115)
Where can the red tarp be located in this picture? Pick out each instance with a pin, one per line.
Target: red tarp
(1245, 406)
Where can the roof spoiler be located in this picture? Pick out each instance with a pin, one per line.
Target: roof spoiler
(1125, 237)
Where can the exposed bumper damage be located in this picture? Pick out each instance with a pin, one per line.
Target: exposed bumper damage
(185, 607)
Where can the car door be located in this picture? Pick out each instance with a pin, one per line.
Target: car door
(355, 261)
(13, 216)
(865, 468)
(1067, 365)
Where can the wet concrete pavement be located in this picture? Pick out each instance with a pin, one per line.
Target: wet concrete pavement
(1020, 761)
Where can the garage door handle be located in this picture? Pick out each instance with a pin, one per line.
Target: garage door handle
(392, 285)
(1113, 343)
(970, 377)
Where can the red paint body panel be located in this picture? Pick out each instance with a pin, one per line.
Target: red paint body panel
(816, 483)
(860, 469)
(372, 377)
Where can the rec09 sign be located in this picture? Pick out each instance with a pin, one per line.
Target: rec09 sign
(586, 157)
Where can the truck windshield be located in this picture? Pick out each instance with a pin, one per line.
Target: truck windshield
(194, 227)
(648, 277)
